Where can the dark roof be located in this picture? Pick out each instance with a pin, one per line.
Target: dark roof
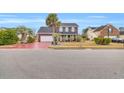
(69, 24)
(45, 30)
(100, 28)
(93, 27)
(121, 28)
(48, 30)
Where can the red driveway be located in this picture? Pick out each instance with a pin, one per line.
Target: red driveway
(35, 45)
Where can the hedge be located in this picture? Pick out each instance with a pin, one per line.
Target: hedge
(102, 41)
(8, 37)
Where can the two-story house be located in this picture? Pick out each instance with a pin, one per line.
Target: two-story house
(105, 31)
(67, 32)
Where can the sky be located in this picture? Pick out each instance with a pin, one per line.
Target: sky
(36, 20)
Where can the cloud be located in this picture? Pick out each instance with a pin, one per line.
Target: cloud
(38, 20)
(20, 20)
(97, 17)
(8, 15)
(81, 20)
(116, 21)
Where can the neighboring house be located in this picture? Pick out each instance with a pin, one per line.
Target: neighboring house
(121, 32)
(90, 33)
(106, 31)
(67, 32)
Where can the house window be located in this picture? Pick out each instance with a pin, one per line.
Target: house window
(70, 29)
(110, 30)
(75, 29)
(63, 29)
(60, 29)
(66, 29)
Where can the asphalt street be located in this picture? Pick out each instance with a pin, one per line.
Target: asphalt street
(61, 64)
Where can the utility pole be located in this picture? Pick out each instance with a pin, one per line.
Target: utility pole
(123, 42)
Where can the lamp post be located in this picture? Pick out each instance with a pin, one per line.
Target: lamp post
(123, 42)
(109, 30)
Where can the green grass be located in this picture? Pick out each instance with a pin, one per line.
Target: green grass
(87, 45)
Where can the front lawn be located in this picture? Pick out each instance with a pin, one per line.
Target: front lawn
(87, 44)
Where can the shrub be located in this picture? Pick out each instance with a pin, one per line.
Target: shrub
(102, 41)
(84, 36)
(8, 37)
(97, 40)
(79, 38)
(30, 39)
(107, 41)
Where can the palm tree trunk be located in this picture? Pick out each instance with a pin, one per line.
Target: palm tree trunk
(53, 30)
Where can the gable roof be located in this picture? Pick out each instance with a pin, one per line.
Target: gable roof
(46, 30)
(103, 26)
(69, 24)
(99, 28)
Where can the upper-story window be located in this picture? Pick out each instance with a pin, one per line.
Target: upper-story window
(63, 29)
(75, 29)
(60, 29)
(66, 29)
(110, 30)
(69, 29)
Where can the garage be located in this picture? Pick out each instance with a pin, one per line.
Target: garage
(45, 34)
(46, 38)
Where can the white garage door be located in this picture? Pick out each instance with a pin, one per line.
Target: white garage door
(110, 36)
(46, 38)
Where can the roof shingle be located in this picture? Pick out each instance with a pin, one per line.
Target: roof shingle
(69, 24)
(46, 30)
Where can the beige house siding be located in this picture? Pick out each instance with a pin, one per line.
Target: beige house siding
(91, 35)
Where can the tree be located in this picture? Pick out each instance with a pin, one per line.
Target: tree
(84, 33)
(53, 22)
(8, 36)
(30, 32)
(85, 30)
(24, 31)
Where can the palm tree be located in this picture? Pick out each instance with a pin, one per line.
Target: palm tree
(30, 31)
(24, 31)
(53, 22)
